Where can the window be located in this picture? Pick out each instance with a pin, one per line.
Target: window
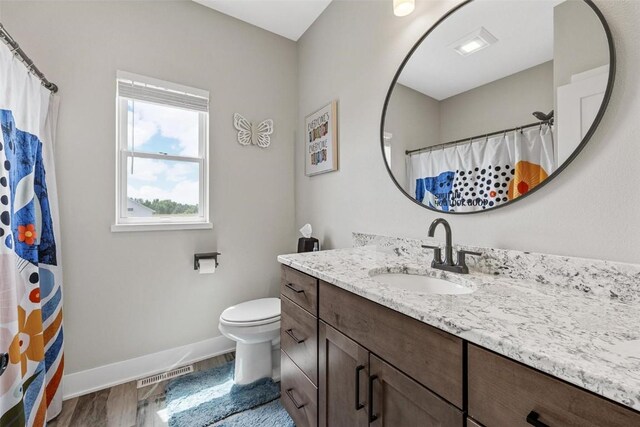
(162, 146)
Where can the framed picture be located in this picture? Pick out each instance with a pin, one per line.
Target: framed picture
(321, 140)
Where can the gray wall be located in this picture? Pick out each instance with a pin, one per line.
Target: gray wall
(578, 41)
(587, 211)
(413, 119)
(502, 104)
(130, 294)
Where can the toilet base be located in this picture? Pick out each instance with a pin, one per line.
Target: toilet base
(253, 361)
(275, 362)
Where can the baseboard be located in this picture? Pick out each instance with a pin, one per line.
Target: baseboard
(106, 376)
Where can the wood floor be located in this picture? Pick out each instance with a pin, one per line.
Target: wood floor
(124, 405)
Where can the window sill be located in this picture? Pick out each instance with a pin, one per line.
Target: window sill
(120, 228)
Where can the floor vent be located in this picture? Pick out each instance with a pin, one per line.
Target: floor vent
(165, 376)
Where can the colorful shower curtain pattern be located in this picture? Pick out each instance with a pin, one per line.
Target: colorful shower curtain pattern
(30, 272)
(484, 173)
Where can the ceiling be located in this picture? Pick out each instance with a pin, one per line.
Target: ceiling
(524, 30)
(288, 18)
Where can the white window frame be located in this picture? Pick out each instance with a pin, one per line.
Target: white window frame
(124, 222)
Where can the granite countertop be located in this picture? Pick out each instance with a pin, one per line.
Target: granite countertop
(590, 339)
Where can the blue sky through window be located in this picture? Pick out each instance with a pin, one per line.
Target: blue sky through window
(156, 128)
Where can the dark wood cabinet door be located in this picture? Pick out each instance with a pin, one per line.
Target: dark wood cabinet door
(344, 369)
(399, 401)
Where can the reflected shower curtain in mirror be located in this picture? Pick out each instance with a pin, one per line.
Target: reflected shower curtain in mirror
(482, 173)
(30, 271)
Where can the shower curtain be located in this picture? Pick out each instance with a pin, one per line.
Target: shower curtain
(30, 271)
(482, 173)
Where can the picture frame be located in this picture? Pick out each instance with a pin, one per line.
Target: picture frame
(321, 140)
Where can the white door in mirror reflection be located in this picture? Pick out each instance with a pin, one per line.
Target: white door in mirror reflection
(578, 105)
(483, 173)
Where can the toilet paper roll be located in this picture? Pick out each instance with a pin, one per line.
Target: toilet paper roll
(207, 266)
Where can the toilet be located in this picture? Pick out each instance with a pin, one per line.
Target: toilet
(255, 327)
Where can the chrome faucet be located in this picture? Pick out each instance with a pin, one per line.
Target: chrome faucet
(447, 265)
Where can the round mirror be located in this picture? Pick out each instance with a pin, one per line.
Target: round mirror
(495, 100)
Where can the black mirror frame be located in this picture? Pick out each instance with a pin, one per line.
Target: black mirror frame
(579, 148)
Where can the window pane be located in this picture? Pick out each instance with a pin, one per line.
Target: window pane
(154, 128)
(158, 188)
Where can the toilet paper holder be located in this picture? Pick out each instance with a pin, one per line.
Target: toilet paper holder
(208, 255)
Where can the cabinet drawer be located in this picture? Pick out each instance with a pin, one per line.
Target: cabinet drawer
(430, 356)
(503, 392)
(299, 338)
(298, 395)
(300, 288)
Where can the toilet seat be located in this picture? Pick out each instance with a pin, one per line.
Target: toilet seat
(252, 313)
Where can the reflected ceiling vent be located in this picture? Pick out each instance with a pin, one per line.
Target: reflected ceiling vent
(474, 42)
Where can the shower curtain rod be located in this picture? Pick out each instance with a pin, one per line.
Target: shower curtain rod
(22, 56)
(484, 135)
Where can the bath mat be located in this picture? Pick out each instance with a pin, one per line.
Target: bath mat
(204, 398)
(271, 414)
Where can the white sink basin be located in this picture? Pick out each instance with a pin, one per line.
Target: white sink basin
(423, 284)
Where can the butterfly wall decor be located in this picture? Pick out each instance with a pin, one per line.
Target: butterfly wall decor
(248, 133)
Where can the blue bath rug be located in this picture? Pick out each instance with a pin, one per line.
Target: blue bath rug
(204, 398)
(271, 414)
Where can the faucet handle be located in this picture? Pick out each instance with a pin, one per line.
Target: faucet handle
(461, 257)
(461, 264)
(437, 253)
(464, 252)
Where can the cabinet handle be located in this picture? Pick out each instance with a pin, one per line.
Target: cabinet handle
(293, 288)
(358, 404)
(532, 419)
(293, 337)
(297, 405)
(372, 416)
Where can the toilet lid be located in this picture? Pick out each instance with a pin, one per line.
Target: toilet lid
(253, 311)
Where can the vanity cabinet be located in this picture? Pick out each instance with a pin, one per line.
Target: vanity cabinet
(503, 392)
(350, 362)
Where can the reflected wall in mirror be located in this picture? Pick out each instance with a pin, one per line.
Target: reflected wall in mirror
(495, 100)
